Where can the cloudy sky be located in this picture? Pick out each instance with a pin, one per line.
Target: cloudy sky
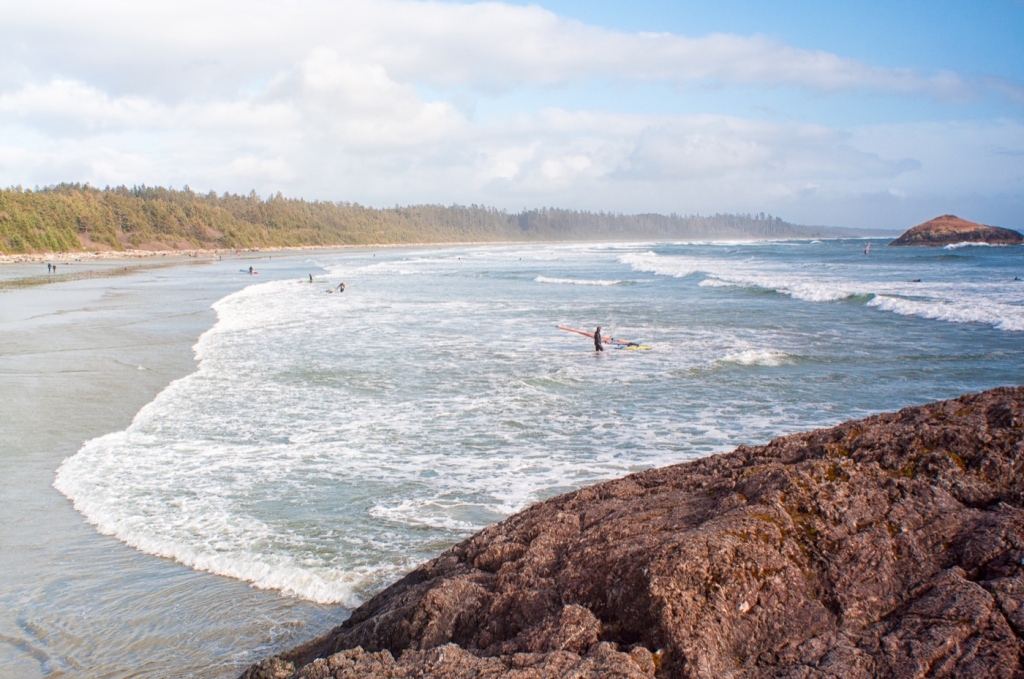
(877, 114)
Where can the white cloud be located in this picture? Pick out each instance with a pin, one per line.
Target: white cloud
(359, 105)
(189, 47)
(67, 107)
(346, 132)
(357, 101)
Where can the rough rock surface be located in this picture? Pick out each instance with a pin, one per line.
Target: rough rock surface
(886, 547)
(950, 229)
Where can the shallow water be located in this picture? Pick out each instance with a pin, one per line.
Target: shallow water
(78, 358)
(330, 442)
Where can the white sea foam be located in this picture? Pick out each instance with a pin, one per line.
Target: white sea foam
(762, 357)
(575, 281)
(328, 443)
(996, 303)
(970, 244)
(808, 290)
(813, 286)
(974, 309)
(289, 435)
(678, 267)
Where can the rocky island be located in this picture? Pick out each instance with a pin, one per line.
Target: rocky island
(886, 547)
(950, 230)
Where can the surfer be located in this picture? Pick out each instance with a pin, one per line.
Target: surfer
(310, 278)
(599, 340)
(250, 270)
(341, 286)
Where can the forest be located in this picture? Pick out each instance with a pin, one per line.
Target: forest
(79, 217)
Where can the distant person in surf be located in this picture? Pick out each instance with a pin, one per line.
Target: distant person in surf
(598, 345)
(250, 270)
(310, 278)
(341, 286)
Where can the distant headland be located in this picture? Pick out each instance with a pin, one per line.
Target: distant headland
(950, 230)
(74, 218)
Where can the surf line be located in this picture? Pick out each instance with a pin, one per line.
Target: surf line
(619, 343)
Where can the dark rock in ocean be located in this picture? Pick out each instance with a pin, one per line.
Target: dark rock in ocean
(950, 230)
(886, 547)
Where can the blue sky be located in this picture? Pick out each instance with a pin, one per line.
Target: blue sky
(973, 36)
(867, 114)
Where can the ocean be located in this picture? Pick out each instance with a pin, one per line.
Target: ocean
(329, 442)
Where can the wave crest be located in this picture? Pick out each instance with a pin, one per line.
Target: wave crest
(574, 281)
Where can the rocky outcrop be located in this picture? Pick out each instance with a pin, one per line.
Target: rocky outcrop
(887, 547)
(950, 230)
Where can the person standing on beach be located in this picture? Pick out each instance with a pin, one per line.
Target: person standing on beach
(598, 346)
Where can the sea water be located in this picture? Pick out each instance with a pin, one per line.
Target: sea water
(329, 442)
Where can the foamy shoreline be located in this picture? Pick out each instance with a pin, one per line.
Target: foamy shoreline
(78, 360)
(115, 255)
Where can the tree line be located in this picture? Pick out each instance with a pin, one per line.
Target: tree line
(77, 217)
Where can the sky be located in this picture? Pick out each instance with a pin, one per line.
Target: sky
(859, 114)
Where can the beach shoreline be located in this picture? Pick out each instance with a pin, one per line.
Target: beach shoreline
(210, 254)
(78, 359)
(130, 255)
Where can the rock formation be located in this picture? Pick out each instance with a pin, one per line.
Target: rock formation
(886, 547)
(950, 229)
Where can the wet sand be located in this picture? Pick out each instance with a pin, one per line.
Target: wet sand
(79, 356)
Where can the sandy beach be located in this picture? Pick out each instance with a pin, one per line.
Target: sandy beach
(78, 357)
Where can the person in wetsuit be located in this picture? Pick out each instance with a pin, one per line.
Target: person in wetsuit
(598, 345)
